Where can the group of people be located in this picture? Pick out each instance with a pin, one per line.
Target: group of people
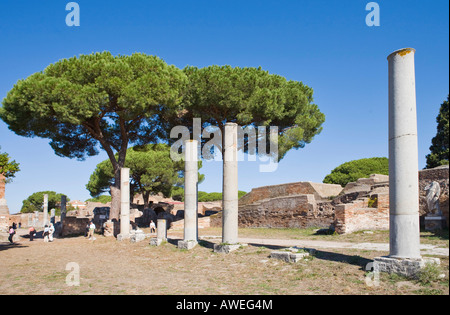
(49, 230)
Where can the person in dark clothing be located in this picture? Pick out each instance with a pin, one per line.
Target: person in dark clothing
(11, 234)
(32, 233)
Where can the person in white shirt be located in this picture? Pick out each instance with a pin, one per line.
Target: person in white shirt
(91, 231)
(51, 230)
(152, 226)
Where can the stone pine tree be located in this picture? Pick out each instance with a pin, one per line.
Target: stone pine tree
(96, 101)
(353, 170)
(252, 97)
(8, 167)
(152, 171)
(440, 143)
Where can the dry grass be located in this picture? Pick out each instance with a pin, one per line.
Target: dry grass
(111, 267)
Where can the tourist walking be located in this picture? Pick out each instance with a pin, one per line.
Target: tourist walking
(32, 233)
(11, 235)
(91, 231)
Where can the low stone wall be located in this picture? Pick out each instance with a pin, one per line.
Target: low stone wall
(298, 211)
(357, 216)
(320, 191)
(73, 226)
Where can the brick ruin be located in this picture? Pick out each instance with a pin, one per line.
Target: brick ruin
(361, 205)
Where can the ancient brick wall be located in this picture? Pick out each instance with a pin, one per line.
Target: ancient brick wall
(320, 191)
(358, 216)
(74, 226)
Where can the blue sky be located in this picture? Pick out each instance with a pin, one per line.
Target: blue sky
(326, 44)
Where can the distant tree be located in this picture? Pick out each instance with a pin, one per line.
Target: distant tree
(35, 202)
(101, 198)
(440, 143)
(96, 101)
(152, 171)
(8, 167)
(354, 170)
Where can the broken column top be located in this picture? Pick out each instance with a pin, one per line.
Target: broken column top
(401, 52)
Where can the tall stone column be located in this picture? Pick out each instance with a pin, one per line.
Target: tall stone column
(403, 157)
(45, 210)
(125, 204)
(404, 257)
(230, 185)
(190, 196)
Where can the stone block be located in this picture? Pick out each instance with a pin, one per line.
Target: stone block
(434, 223)
(137, 236)
(293, 254)
(187, 244)
(402, 266)
(122, 237)
(155, 242)
(227, 248)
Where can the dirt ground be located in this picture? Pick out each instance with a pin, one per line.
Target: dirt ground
(110, 267)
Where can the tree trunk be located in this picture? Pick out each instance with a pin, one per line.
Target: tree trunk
(114, 212)
(146, 195)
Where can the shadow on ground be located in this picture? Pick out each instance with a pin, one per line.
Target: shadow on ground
(328, 256)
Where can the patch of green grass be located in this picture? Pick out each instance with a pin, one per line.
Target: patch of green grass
(428, 291)
(429, 274)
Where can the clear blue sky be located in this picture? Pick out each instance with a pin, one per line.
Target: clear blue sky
(324, 43)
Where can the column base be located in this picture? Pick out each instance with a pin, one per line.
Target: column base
(137, 236)
(122, 237)
(187, 244)
(155, 242)
(407, 267)
(227, 248)
(434, 223)
(293, 254)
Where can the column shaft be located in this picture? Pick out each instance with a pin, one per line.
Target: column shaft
(125, 202)
(190, 191)
(403, 157)
(230, 185)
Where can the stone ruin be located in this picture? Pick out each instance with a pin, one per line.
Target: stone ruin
(361, 205)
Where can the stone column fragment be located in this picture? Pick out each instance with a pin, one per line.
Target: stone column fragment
(161, 232)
